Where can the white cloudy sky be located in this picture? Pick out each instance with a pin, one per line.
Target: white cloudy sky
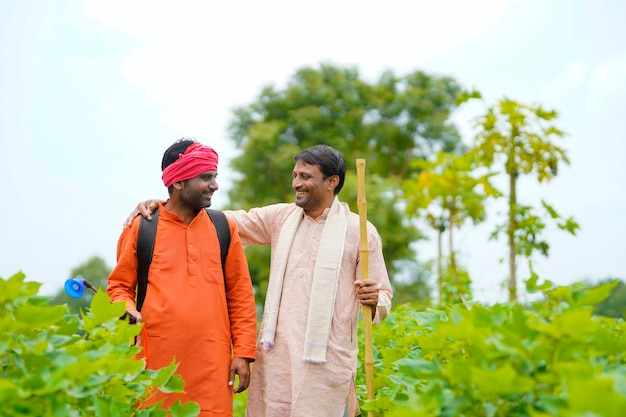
(92, 92)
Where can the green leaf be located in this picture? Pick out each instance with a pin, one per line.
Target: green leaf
(531, 283)
(595, 296)
(39, 316)
(419, 368)
(595, 396)
(15, 286)
(572, 324)
(174, 384)
(103, 310)
(503, 380)
(164, 375)
(189, 409)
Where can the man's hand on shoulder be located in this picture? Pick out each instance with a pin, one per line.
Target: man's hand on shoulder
(145, 208)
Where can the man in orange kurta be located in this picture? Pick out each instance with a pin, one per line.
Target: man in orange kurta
(192, 314)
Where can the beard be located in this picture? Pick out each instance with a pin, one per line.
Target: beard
(196, 200)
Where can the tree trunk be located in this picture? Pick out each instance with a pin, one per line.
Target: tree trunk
(453, 267)
(440, 264)
(511, 235)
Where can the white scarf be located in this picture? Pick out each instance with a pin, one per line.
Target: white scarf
(324, 286)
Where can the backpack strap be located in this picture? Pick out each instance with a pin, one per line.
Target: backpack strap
(145, 247)
(223, 232)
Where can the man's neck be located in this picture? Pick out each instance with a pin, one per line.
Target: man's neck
(185, 213)
(318, 211)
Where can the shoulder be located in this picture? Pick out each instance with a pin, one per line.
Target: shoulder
(351, 217)
(218, 218)
(133, 229)
(276, 208)
(354, 222)
(271, 211)
(129, 235)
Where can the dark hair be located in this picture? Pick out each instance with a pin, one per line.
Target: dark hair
(330, 162)
(173, 152)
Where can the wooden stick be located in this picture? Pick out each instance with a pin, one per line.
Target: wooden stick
(364, 250)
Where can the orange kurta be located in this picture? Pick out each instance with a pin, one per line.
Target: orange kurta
(188, 314)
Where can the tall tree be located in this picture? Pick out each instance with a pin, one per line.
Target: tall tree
(447, 192)
(389, 123)
(96, 271)
(521, 136)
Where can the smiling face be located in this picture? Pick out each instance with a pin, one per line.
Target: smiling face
(196, 192)
(314, 193)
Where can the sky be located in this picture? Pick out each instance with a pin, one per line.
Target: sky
(93, 92)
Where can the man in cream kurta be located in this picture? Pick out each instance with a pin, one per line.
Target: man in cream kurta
(284, 381)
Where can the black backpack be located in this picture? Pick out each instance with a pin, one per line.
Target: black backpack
(145, 247)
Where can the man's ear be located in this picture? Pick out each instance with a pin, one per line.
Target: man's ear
(333, 181)
(179, 185)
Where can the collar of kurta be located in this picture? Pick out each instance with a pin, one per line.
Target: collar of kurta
(324, 286)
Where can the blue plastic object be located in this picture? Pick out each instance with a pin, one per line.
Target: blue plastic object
(75, 287)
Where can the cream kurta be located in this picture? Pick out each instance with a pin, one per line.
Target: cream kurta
(282, 383)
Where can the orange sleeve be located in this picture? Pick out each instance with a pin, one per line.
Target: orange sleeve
(122, 282)
(240, 298)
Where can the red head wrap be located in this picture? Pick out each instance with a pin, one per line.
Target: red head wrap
(198, 158)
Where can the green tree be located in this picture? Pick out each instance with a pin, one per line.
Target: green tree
(389, 123)
(521, 136)
(447, 192)
(96, 271)
(530, 227)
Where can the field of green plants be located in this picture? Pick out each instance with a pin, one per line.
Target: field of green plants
(552, 357)
(54, 363)
(440, 353)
